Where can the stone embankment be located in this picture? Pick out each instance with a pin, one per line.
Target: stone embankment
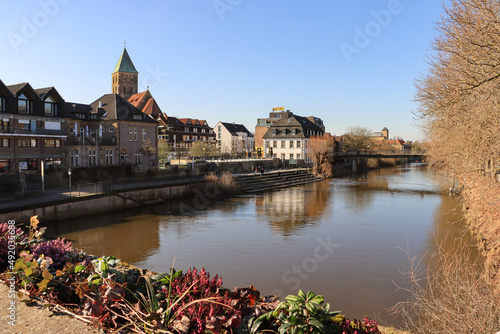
(255, 182)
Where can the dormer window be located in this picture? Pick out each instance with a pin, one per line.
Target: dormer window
(24, 106)
(50, 107)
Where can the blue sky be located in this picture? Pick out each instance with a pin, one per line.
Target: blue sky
(351, 63)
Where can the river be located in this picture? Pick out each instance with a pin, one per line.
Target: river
(345, 238)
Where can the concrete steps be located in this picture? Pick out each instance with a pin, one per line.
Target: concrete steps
(274, 180)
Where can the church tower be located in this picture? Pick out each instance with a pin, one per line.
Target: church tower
(125, 76)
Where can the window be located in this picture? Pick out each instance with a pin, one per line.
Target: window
(29, 164)
(133, 134)
(81, 131)
(52, 143)
(3, 106)
(5, 142)
(24, 106)
(123, 156)
(275, 155)
(92, 157)
(282, 144)
(218, 135)
(291, 155)
(50, 107)
(24, 125)
(111, 129)
(92, 133)
(298, 143)
(4, 124)
(218, 128)
(275, 143)
(4, 165)
(144, 135)
(137, 154)
(282, 156)
(108, 154)
(291, 143)
(74, 158)
(27, 143)
(52, 163)
(298, 156)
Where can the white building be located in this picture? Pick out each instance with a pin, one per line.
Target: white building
(233, 138)
(289, 138)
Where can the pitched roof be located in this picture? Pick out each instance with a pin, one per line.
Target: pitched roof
(136, 99)
(48, 91)
(4, 90)
(234, 128)
(125, 64)
(116, 107)
(23, 88)
(284, 126)
(152, 108)
(71, 109)
(14, 89)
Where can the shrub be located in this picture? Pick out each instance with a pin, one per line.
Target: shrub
(55, 249)
(225, 182)
(452, 294)
(203, 305)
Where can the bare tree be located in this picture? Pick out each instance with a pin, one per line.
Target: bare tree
(459, 98)
(357, 139)
(321, 148)
(460, 113)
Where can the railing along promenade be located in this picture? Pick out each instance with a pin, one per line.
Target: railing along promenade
(34, 197)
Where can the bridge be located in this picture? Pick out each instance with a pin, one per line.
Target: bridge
(370, 155)
(353, 158)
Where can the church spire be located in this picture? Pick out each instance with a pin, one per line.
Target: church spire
(124, 76)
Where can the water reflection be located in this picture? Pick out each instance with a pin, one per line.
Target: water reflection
(290, 211)
(131, 241)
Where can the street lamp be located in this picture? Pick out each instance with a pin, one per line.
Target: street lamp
(69, 176)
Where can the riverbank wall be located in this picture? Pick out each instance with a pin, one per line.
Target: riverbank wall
(79, 206)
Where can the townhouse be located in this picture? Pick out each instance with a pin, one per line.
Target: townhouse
(291, 138)
(234, 139)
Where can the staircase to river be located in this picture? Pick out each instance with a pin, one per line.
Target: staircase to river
(255, 182)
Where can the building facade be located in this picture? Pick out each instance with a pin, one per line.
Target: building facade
(33, 130)
(290, 138)
(263, 125)
(234, 139)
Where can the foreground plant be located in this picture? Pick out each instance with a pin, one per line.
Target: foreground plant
(308, 313)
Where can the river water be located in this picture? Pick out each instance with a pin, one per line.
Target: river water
(344, 238)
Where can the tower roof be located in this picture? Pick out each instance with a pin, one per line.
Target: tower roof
(125, 64)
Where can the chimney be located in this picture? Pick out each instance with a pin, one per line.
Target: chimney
(100, 104)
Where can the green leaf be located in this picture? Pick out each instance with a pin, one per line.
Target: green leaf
(80, 268)
(316, 323)
(301, 294)
(311, 308)
(310, 295)
(319, 299)
(292, 298)
(284, 328)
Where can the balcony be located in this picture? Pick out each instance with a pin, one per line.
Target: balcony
(19, 131)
